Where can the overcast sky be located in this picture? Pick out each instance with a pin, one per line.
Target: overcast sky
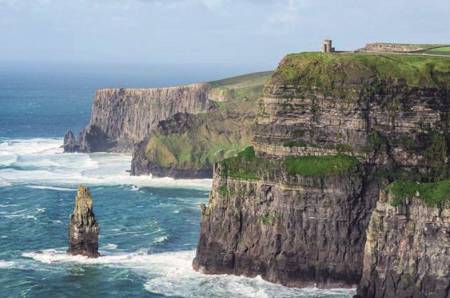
(256, 33)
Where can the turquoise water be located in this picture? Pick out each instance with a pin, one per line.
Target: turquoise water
(149, 227)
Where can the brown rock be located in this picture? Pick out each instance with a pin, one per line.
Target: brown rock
(83, 230)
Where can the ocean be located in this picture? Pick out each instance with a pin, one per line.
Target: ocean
(148, 227)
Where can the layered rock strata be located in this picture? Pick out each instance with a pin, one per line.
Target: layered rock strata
(187, 146)
(83, 229)
(407, 252)
(301, 218)
(123, 117)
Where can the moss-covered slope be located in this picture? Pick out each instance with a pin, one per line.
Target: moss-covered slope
(187, 146)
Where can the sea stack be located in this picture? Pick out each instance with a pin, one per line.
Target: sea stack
(83, 230)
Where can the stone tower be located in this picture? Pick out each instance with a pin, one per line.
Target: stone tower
(327, 46)
(83, 230)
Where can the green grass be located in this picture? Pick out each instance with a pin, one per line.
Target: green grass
(245, 87)
(444, 50)
(257, 78)
(269, 218)
(211, 138)
(335, 72)
(215, 135)
(441, 49)
(246, 165)
(433, 194)
(332, 165)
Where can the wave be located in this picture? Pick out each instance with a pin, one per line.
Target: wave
(51, 188)
(171, 274)
(41, 164)
(110, 246)
(7, 264)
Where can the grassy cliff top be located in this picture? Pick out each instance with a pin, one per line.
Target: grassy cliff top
(245, 87)
(329, 71)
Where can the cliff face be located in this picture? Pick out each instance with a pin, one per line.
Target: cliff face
(123, 117)
(294, 230)
(407, 253)
(297, 212)
(83, 229)
(187, 145)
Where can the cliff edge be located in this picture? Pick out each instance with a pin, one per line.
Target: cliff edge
(407, 252)
(123, 117)
(332, 131)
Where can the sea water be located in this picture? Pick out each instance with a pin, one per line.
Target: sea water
(149, 227)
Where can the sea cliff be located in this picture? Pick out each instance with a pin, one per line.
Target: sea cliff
(332, 132)
(123, 117)
(407, 252)
(178, 132)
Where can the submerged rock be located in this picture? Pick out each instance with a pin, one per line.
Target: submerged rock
(83, 230)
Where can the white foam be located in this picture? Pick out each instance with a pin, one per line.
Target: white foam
(6, 264)
(51, 188)
(42, 164)
(110, 246)
(160, 239)
(171, 274)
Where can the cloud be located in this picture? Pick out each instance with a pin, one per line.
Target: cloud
(288, 13)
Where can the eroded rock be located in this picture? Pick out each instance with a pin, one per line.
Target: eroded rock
(83, 229)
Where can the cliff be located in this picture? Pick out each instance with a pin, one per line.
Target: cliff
(83, 229)
(407, 252)
(332, 131)
(187, 145)
(179, 131)
(123, 117)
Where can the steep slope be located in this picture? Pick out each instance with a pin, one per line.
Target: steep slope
(188, 145)
(332, 131)
(407, 253)
(122, 117)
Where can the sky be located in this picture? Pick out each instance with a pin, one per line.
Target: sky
(254, 33)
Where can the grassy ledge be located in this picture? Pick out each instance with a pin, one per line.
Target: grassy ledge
(433, 194)
(246, 165)
(330, 165)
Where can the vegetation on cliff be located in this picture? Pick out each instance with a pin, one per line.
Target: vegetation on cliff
(200, 140)
(433, 194)
(245, 87)
(246, 165)
(331, 72)
(210, 138)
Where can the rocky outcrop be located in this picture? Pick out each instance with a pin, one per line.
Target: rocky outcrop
(83, 229)
(407, 252)
(70, 143)
(159, 160)
(300, 218)
(123, 117)
(187, 145)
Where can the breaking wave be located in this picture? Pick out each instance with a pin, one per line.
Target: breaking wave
(42, 164)
(171, 274)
